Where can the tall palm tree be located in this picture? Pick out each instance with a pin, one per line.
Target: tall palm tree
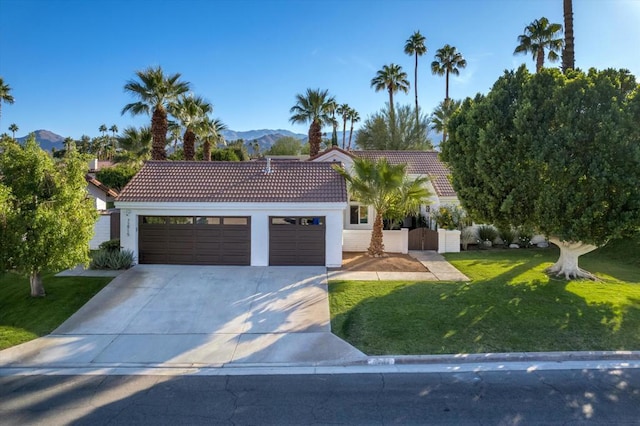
(135, 145)
(210, 131)
(155, 91)
(415, 46)
(176, 134)
(392, 79)
(114, 130)
(447, 61)
(332, 108)
(13, 128)
(69, 143)
(354, 117)
(5, 94)
(540, 35)
(103, 129)
(387, 189)
(568, 51)
(344, 110)
(442, 114)
(190, 112)
(311, 107)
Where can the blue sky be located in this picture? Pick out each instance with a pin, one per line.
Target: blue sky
(68, 60)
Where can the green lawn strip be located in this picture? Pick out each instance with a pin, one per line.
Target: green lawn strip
(510, 306)
(23, 318)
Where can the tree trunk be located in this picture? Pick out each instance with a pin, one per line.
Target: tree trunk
(189, 145)
(334, 135)
(376, 246)
(344, 132)
(567, 264)
(392, 119)
(446, 86)
(568, 52)
(159, 126)
(37, 289)
(206, 150)
(315, 137)
(350, 134)
(415, 88)
(539, 59)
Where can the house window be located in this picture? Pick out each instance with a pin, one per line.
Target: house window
(358, 215)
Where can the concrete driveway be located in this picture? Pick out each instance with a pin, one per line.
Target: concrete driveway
(164, 315)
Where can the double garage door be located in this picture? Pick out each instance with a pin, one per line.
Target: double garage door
(214, 240)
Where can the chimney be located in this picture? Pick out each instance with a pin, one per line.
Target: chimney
(267, 169)
(93, 164)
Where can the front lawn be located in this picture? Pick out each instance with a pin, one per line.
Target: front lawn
(23, 318)
(510, 306)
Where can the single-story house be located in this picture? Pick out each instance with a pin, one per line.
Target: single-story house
(108, 224)
(234, 213)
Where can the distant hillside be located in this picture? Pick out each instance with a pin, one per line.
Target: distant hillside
(46, 140)
(250, 135)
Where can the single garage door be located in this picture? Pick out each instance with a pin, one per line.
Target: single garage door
(297, 241)
(194, 240)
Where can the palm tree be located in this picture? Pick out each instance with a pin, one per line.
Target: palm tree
(69, 144)
(415, 46)
(114, 130)
(354, 117)
(539, 36)
(387, 189)
(155, 91)
(344, 110)
(448, 61)
(103, 129)
(176, 134)
(190, 111)
(13, 128)
(392, 79)
(136, 145)
(210, 130)
(332, 108)
(568, 52)
(311, 107)
(5, 94)
(442, 114)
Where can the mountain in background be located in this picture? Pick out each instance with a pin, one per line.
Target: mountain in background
(46, 139)
(250, 135)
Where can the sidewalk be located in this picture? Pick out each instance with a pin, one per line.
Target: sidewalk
(438, 270)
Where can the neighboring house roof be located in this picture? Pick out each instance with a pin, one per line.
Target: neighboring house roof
(418, 163)
(223, 181)
(95, 182)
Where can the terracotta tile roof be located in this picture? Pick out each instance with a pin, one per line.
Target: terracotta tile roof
(95, 182)
(418, 163)
(218, 181)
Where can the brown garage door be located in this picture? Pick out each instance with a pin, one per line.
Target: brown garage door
(195, 240)
(297, 240)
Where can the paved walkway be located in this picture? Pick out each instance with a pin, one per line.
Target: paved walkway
(438, 270)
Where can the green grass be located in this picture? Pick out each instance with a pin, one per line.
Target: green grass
(23, 318)
(510, 305)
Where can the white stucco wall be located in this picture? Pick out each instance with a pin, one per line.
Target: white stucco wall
(358, 240)
(259, 213)
(102, 231)
(448, 241)
(99, 196)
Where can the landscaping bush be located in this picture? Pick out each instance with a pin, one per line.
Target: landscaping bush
(110, 245)
(469, 235)
(508, 235)
(105, 259)
(525, 235)
(487, 233)
(450, 217)
(118, 176)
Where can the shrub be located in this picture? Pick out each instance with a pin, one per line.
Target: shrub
(487, 233)
(468, 236)
(110, 245)
(525, 235)
(508, 235)
(450, 217)
(104, 259)
(118, 176)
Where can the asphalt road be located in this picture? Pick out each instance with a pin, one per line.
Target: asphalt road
(572, 397)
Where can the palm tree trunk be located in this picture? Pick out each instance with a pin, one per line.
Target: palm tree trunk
(159, 126)
(334, 135)
(446, 88)
(350, 133)
(35, 281)
(376, 246)
(344, 131)
(415, 84)
(315, 137)
(539, 59)
(189, 142)
(568, 52)
(392, 119)
(206, 150)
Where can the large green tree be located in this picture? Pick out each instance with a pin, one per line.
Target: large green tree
(155, 91)
(386, 188)
(560, 154)
(448, 61)
(5, 94)
(48, 217)
(392, 79)
(374, 132)
(286, 145)
(190, 111)
(311, 107)
(415, 45)
(568, 50)
(539, 37)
